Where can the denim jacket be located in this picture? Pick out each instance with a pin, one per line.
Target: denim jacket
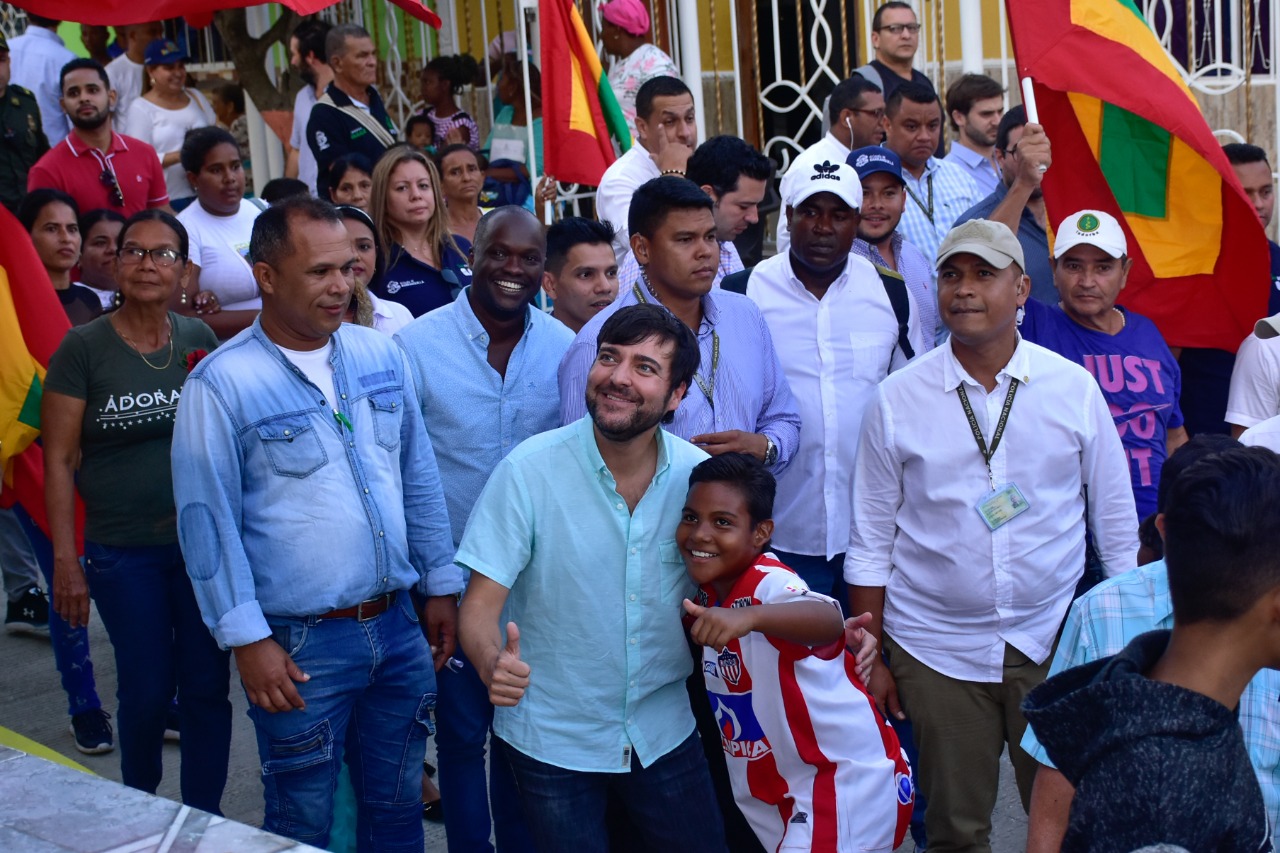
(291, 505)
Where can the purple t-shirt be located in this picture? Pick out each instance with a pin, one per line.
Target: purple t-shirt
(1139, 379)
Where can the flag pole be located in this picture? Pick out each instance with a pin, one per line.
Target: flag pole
(1033, 114)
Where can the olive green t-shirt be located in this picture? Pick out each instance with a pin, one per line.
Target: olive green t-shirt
(125, 476)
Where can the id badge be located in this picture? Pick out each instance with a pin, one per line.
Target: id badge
(1002, 506)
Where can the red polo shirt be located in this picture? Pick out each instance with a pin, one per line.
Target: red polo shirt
(76, 169)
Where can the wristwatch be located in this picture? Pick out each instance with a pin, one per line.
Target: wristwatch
(770, 451)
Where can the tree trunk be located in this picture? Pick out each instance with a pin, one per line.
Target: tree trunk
(249, 54)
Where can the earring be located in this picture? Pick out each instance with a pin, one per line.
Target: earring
(1022, 312)
(184, 302)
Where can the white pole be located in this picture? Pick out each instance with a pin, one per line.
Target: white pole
(1004, 55)
(737, 71)
(521, 8)
(691, 59)
(971, 55)
(1033, 114)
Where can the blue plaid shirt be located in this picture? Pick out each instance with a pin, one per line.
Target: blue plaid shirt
(1103, 621)
(952, 192)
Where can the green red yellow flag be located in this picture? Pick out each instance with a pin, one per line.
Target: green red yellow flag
(32, 325)
(580, 114)
(1129, 138)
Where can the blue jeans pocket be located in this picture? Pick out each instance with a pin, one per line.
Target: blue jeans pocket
(290, 636)
(101, 559)
(298, 777)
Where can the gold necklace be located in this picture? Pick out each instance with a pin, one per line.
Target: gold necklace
(138, 349)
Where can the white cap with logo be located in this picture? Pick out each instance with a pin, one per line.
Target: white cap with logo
(838, 178)
(1091, 228)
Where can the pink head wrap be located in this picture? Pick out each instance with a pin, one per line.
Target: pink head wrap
(630, 15)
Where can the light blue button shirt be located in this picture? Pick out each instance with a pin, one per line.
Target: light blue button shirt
(1104, 620)
(475, 416)
(981, 169)
(596, 591)
(286, 510)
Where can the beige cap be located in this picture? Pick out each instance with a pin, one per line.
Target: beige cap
(1091, 228)
(991, 241)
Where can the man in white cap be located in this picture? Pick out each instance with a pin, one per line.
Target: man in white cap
(836, 330)
(968, 531)
(624, 32)
(1124, 351)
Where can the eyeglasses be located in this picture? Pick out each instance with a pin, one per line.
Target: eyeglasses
(899, 29)
(875, 114)
(163, 258)
(108, 179)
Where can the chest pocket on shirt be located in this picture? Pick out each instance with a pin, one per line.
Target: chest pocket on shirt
(675, 583)
(872, 354)
(292, 446)
(388, 407)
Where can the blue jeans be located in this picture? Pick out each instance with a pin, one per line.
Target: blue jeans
(372, 688)
(149, 610)
(70, 645)
(670, 803)
(822, 575)
(464, 718)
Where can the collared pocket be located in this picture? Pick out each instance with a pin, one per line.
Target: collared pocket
(292, 446)
(675, 582)
(388, 408)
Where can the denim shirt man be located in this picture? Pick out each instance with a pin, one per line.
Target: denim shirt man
(312, 487)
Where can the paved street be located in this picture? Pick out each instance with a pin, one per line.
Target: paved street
(32, 703)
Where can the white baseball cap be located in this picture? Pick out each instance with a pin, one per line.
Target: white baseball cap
(1091, 228)
(838, 178)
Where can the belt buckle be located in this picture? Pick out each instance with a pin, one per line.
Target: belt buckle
(373, 603)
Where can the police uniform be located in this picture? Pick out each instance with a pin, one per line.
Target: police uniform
(22, 139)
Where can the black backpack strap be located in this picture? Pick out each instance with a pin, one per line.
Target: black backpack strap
(736, 282)
(895, 287)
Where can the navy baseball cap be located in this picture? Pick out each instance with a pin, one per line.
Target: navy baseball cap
(875, 158)
(164, 52)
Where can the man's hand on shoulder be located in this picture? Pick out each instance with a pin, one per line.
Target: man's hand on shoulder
(268, 674)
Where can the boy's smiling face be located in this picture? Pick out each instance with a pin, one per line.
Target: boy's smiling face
(717, 537)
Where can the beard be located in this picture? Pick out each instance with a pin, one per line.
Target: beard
(93, 122)
(643, 419)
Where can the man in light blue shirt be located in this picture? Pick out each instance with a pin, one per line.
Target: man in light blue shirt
(572, 547)
(975, 103)
(309, 506)
(739, 399)
(38, 56)
(1101, 623)
(486, 366)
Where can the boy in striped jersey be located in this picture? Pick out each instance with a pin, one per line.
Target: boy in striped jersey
(813, 764)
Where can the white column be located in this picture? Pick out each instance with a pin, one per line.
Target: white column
(691, 58)
(971, 55)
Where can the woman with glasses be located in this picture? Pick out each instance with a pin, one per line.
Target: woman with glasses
(110, 398)
(168, 109)
(425, 266)
(221, 288)
(52, 220)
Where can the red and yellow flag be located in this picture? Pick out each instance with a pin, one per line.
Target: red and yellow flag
(1129, 138)
(32, 325)
(580, 115)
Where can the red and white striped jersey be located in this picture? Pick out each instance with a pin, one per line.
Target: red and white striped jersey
(814, 765)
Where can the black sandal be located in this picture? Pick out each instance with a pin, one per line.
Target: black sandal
(433, 811)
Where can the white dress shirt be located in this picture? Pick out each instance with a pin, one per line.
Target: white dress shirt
(1255, 379)
(826, 148)
(834, 351)
(37, 57)
(955, 591)
(613, 196)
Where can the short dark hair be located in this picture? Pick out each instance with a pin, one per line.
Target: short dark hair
(1240, 153)
(573, 231)
(847, 95)
(338, 168)
(658, 87)
(47, 23)
(37, 200)
(1015, 118)
(98, 214)
(744, 473)
(916, 93)
(81, 63)
(877, 18)
(277, 190)
(233, 94)
(311, 35)
(270, 242)
(481, 239)
(967, 91)
(454, 148)
(458, 70)
(1222, 535)
(635, 323)
(335, 42)
(414, 121)
(657, 197)
(1199, 447)
(154, 214)
(198, 142)
(722, 160)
